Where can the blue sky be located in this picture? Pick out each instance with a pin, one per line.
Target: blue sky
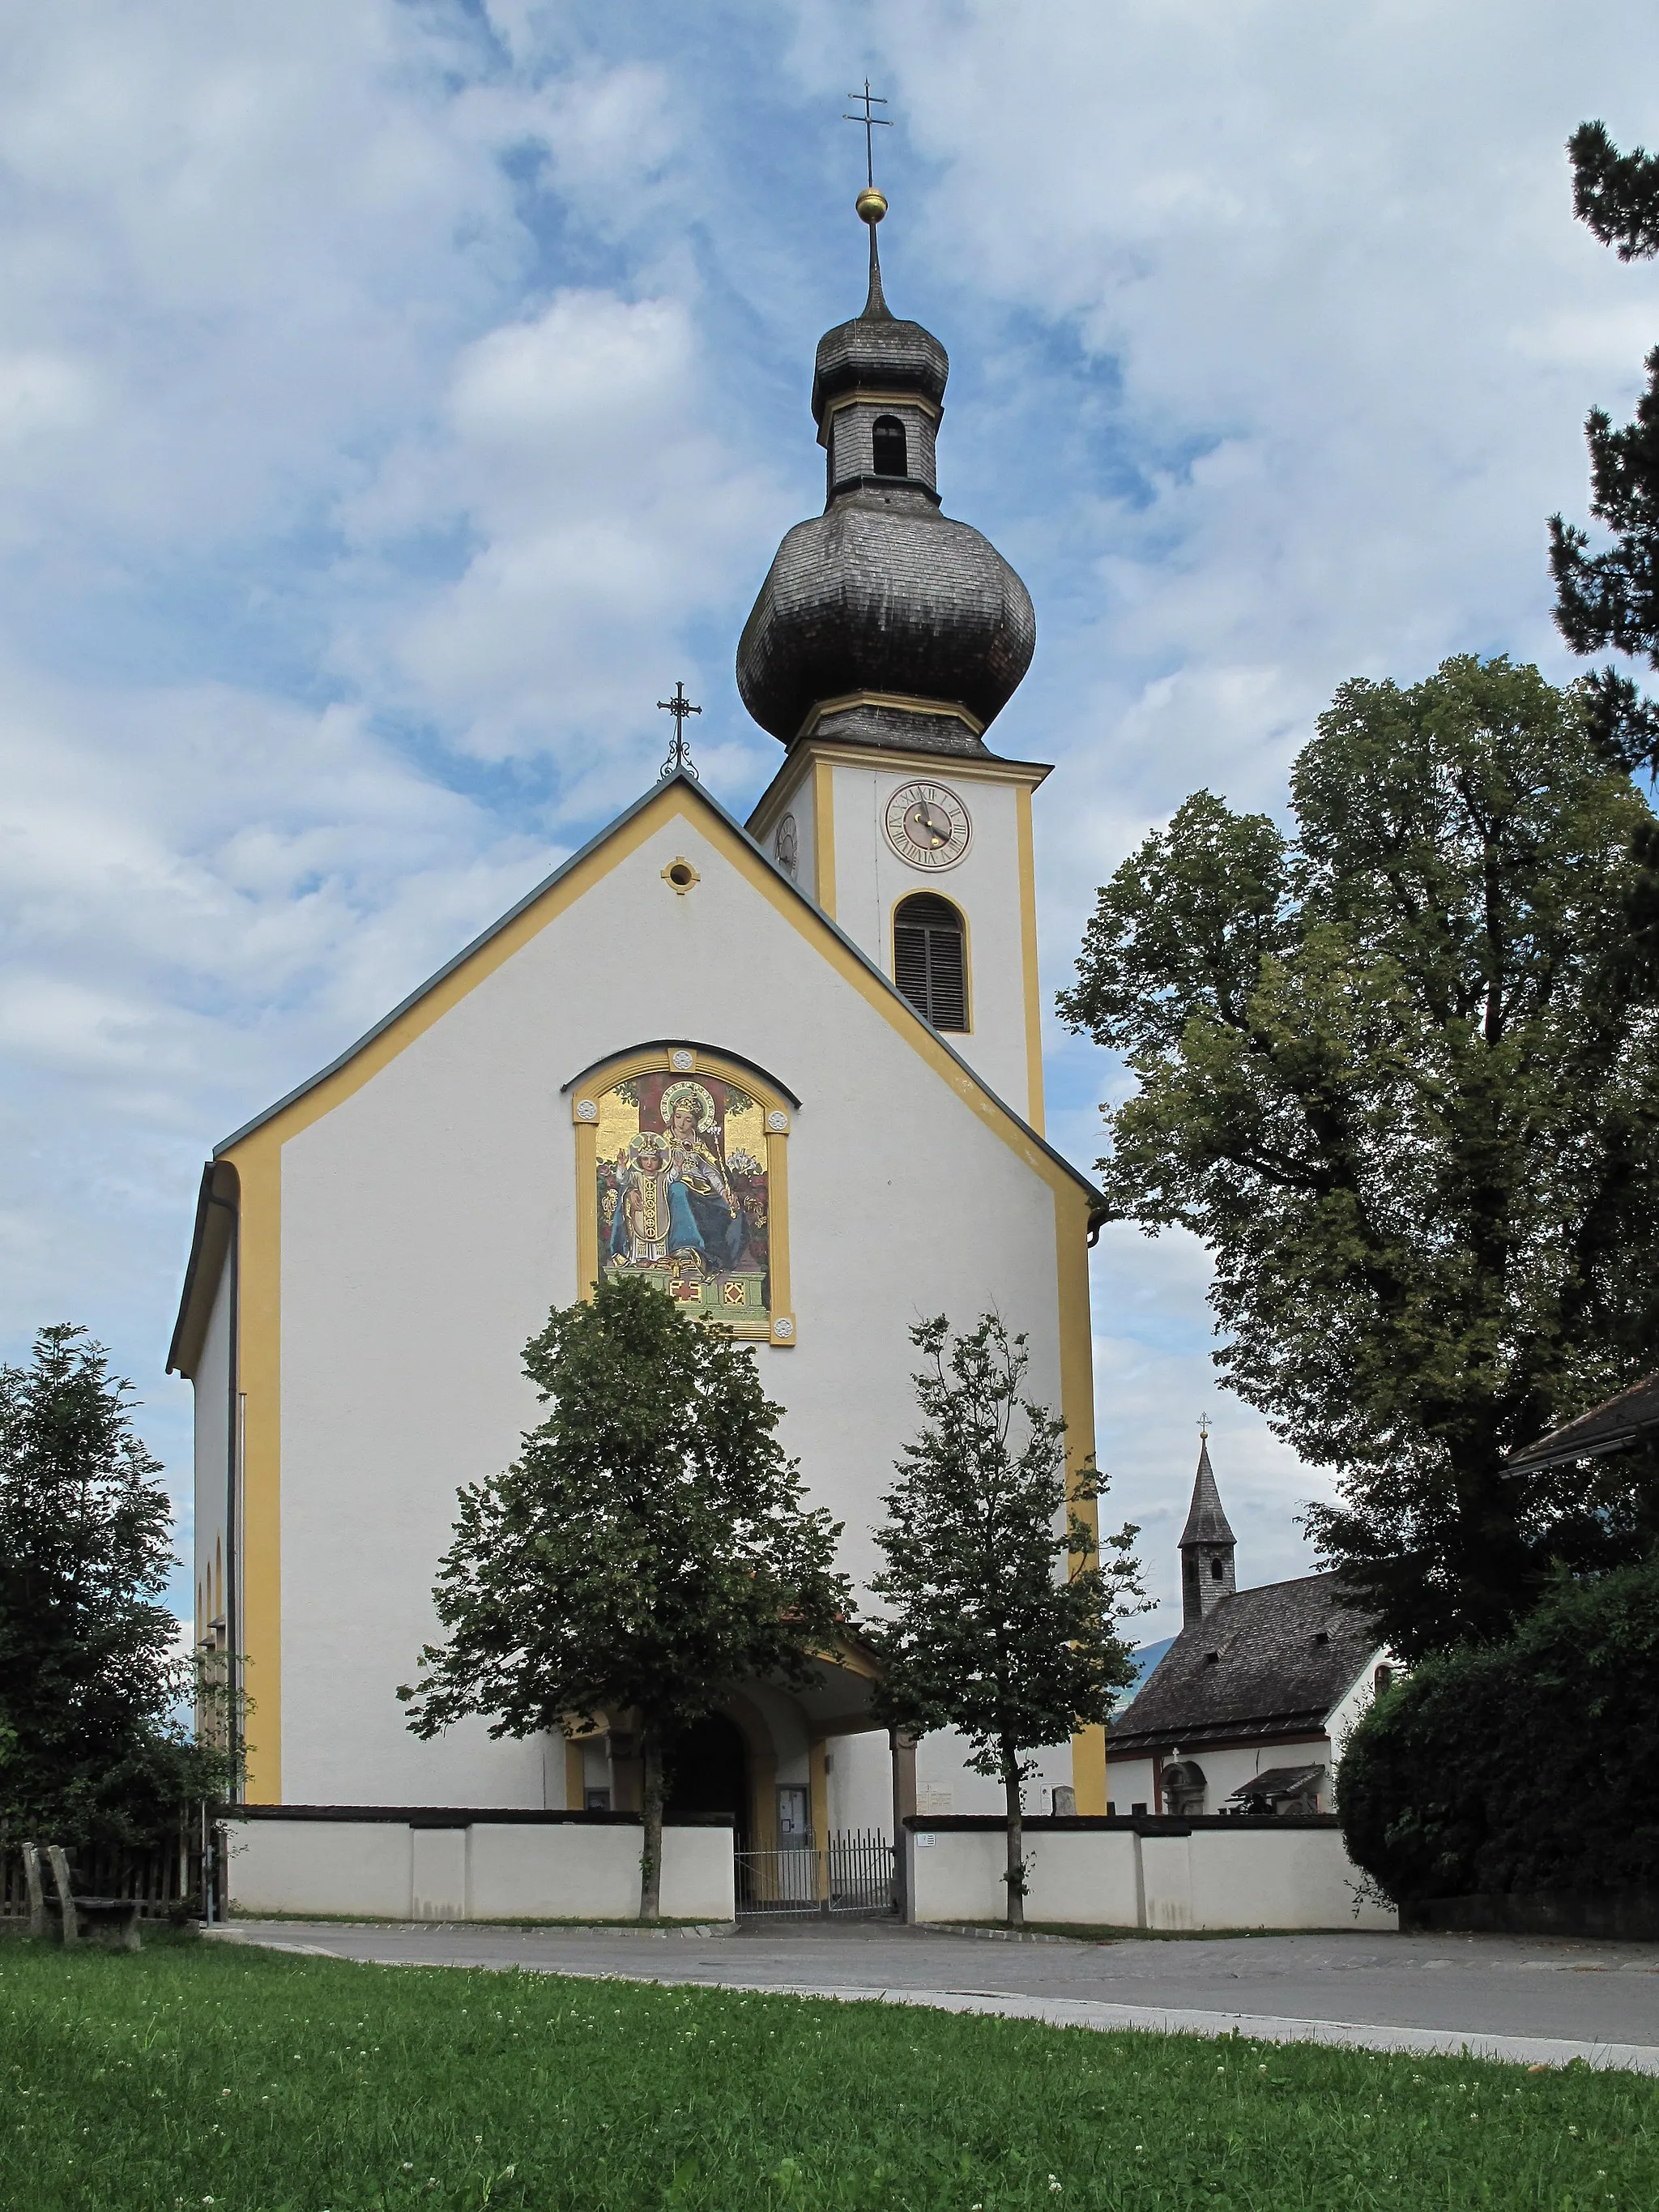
(395, 399)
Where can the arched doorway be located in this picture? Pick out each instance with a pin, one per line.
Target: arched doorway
(708, 1772)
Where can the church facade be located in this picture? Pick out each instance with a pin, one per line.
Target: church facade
(790, 1070)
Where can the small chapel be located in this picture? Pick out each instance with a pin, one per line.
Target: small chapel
(1249, 1709)
(789, 1068)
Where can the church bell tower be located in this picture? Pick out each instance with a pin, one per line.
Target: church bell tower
(884, 641)
(1207, 1546)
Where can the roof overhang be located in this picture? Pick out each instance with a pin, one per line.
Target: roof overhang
(217, 1198)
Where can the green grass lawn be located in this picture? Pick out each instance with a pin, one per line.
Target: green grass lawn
(198, 2074)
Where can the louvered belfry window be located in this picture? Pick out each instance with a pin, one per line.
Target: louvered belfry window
(929, 963)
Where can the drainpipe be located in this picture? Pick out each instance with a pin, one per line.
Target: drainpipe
(233, 1458)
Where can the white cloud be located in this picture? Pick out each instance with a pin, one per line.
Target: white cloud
(393, 400)
(578, 451)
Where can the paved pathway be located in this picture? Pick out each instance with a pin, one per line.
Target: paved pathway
(1544, 1999)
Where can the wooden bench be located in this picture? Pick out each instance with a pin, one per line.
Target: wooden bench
(115, 1916)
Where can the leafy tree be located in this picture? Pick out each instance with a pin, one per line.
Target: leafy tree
(90, 1678)
(1525, 1765)
(1611, 599)
(1399, 1071)
(648, 1549)
(987, 1634)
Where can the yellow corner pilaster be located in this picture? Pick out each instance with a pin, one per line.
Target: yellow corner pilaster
(1076, 1403)
(1028, 945)
(823, 838)
(258, 1164)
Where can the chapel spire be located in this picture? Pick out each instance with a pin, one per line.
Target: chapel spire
(1207, 1544)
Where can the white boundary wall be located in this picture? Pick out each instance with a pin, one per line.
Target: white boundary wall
(380, 1869)
(1120, 1874)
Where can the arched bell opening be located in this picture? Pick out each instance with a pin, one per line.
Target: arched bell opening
(890, 447)
(930, 959)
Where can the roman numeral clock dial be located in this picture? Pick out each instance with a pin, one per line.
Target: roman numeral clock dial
(928, 825)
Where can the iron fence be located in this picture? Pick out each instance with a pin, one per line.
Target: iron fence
(852, 1871)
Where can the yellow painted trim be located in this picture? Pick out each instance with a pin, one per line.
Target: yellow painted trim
(902, 702)
(926, 891)
(777, 1235)
(860, 398)
(807, 753)
(1076, 1404)
(259, 1163)
(680, 1059)
(587, 1220)
(823, 836)
(1028, 949)
(818, 1806)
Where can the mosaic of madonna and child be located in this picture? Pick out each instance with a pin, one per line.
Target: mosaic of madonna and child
(682, 1193)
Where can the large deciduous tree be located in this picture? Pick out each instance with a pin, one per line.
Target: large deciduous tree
(1611, 598)
(1400, 1071)
(1001, 1618)
(648, 1549)
(91, 1678)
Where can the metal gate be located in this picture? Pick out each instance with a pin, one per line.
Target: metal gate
(852, 1871)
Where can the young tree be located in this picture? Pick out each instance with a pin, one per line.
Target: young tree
(646, 1550)
(1001, 1620)
(1611, 599)
(1400, 1074)
(90, 1678)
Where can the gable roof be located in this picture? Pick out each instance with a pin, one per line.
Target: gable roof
(692, 788)
(1284, 1655)
(807, 917)
(1618, 1425)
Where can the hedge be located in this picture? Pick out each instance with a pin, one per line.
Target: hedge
(1527, 1765)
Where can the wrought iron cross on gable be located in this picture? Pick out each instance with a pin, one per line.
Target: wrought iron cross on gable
(871, 124)
(679, 755)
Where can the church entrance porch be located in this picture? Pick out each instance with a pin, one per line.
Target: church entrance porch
(708, 1772)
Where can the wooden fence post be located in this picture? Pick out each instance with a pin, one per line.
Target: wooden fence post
(60, 1874)
(38, 1923)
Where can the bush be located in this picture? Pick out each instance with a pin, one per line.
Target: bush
(1526, 1765)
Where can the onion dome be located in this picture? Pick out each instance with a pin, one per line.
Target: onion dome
(882, 620)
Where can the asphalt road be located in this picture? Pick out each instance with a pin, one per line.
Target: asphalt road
(1543, 2000)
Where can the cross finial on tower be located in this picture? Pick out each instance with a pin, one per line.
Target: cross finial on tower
(1204, 1427)
(871, 124)
(679, 755)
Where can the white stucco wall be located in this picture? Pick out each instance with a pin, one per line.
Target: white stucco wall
(1233, 1875)
(429, 1223)
(1129, 1781)
(386, 1870)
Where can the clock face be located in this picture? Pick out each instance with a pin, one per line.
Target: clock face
(928, 825)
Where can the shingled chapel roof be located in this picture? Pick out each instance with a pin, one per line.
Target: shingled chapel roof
(1267, 1662)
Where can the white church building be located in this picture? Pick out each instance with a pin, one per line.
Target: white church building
(789, 1068)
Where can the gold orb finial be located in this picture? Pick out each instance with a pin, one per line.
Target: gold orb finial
(871, 206)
